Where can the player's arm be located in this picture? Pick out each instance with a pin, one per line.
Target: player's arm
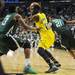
(70, 22)
(35, 18)
(22, 22)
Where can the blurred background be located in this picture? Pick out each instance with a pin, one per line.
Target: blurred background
(50, 7)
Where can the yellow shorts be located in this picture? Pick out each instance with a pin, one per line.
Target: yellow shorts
(47, 41)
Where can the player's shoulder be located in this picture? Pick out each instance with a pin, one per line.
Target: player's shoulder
(17, 17)
(35, 18)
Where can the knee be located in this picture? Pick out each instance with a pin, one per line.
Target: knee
(40, 50)
(26, 49)
(42, 53)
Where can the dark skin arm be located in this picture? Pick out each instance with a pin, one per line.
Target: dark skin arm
(70, 22)
(35, 18)
(22, 22)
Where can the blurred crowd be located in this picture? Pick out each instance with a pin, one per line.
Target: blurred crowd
(66, 9)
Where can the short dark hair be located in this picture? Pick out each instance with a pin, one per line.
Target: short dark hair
(12, 8)
(36, 7)
(19, 10)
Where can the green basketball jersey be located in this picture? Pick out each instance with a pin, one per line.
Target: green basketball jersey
(7, 23)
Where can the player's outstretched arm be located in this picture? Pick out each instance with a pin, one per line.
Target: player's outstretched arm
(71, 22)
(22, 22)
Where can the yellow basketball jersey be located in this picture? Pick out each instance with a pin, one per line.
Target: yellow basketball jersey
(47, 36)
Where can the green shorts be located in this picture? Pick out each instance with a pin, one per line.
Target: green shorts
(7, 43)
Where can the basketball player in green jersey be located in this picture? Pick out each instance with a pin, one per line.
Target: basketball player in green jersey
(1, 68)
(7, 42)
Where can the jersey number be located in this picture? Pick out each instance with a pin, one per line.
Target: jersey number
(58, 23)
(5, 20)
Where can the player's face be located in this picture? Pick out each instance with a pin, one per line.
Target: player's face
(31, 9)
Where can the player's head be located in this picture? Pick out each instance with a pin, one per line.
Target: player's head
(19, 10)
(35, 7)
(1, 4)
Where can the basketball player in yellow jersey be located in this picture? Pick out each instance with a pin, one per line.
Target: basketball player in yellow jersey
(47, 36)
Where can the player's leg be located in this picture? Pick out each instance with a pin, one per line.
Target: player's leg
(67, 40)
(45, 56)
(27, 64)
(52, 58)
(1, 68)
(1, 53)
(2, 72)
(26, 45)
(67, 43)
(71, 52)
(3, 50)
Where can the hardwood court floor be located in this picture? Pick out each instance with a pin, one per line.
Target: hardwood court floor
(15, 64)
